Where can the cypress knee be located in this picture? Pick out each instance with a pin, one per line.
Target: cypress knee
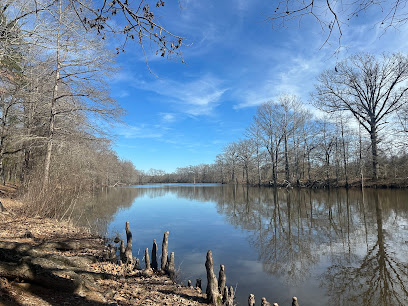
(137, 264)
(147, 259)
(222, 279)
(198, 283)
(251, 300)
(231, 295)
(128, 251)
(225, 296)
(154, 255)
(212, 283)
(171, 267)
(295, 301)
(122, 251)
(264, 302)
(189, 284)
(111, 256)
(164, 251)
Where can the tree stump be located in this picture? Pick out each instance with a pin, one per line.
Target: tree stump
(164, 251)
(264, 302)
(154, 255)
(128, 251)
(222, 279)
(212, 284)
(147, 259)
(251, 300)
(295, 301)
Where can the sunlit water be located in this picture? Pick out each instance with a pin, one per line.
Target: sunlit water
(332, 247)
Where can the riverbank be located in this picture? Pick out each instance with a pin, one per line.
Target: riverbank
(48, 262)
(333, 183)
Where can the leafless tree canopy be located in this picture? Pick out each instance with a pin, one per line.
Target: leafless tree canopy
(130, 20)
(333, 15)
(370, 89)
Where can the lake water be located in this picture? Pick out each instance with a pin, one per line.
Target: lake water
(334, 247)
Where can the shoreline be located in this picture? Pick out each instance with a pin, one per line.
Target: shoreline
(49, 262)
(307, 184)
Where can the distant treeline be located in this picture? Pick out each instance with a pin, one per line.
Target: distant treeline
(360, 136)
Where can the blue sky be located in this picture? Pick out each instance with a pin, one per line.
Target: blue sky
(234, 62)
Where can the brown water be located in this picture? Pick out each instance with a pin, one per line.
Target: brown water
(333, 247)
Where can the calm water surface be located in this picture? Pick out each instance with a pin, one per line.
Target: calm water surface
(333, 247)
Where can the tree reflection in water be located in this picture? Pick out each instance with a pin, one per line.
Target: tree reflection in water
(380, 279)
(354, 244)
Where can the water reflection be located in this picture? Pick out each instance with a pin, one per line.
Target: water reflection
(380, 277)
(352, 244)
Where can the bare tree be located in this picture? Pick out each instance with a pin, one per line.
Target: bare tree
(289, 124)
(332, 15)
(268, 117)
(79, 64)
(246, 149)
(326, 144)
(254, 133)
(12, 86)
(370, 89)
(131, 20)
(230, 157)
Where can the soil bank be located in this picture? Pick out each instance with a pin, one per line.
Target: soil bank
(48, 262)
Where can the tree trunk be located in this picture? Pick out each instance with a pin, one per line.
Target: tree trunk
(327, 166)
(274, 164)
(247, 175)
(51, 128)
(344, 154)
(2, 175)
(374, 141)
(287, 174)
(259, 169)
(2, 138)
(233, 172)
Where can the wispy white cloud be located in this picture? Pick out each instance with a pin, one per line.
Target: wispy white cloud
(197, 97)
(375, 39)
(140, 131)
(168, 117)
(295, 76)
(121, 94)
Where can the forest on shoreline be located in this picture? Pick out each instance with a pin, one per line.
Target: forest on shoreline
(57, 113)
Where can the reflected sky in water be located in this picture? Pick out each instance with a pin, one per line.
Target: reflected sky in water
(321, 246)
